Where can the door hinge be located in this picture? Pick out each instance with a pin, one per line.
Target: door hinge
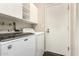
(68, 48)
(68, 7)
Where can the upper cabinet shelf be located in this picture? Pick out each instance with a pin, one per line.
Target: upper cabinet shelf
(22, 11)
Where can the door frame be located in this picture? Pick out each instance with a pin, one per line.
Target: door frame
(69, 27)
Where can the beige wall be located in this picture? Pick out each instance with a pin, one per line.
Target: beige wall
(40, 26)
(7, 21)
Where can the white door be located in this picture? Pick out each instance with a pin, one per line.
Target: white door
(56, 29)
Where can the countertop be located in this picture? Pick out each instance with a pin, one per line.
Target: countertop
(37, 33)
(10, 36)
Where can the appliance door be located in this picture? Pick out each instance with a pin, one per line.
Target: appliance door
(24, 46)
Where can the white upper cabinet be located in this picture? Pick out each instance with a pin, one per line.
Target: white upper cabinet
(11, 9)
(23, 11)
(30, 13)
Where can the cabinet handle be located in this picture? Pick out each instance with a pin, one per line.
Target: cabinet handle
(10, 46)
(25, 39)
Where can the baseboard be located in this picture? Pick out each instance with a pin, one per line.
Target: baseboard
(48, 53)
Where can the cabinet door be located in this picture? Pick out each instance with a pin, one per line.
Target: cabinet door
(30, 13)
(26, 11)
(11, 9)
(22, 47)
(33, 13)
(40, 44)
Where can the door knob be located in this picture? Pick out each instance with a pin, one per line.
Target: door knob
(48, 30)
